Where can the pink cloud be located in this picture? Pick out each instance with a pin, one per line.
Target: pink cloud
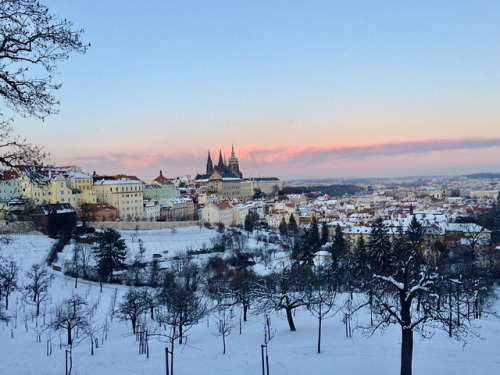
(280, 160)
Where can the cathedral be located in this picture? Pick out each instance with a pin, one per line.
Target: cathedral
(224, 169)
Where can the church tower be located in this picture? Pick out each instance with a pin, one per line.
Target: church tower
(221, 168)
(210, 166)
(234, 166)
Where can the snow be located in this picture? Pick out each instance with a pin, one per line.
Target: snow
(289, 352)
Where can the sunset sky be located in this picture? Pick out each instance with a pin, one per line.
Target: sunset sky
(301, 88)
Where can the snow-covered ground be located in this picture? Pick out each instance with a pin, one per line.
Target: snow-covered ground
(289, 352)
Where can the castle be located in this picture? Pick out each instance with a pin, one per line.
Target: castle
(224, 169)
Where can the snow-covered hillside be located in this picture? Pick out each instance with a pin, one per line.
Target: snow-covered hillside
(289, 352)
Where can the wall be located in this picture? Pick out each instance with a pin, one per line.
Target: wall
(131, 225)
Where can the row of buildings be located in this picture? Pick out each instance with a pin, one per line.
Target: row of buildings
(128, 198)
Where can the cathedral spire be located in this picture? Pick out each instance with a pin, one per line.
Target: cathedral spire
(220, 165)
(233, 157)
(210, 166)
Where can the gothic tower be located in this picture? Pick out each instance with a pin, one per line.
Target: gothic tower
(210, 166)
(234, 166)
(221, 168)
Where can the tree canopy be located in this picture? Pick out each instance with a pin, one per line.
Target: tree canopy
(33, 42)
(110, 251)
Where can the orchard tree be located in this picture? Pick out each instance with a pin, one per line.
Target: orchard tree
(110, 251)
(72, 313)
(132, 307)
(283, 290)
(8, 278)
(320, 297)
(181, 306)
(33, 42)
(37, 289)
(225, 320)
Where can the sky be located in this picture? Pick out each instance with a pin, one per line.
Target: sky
(303, 89)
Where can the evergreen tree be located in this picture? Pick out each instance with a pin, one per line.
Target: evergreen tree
(110, 251)
(249, 222)
(283, 228)
(360, 254)
(324, 234)
(292, 226)
(340, 246)
(379, 246)
(314, 240)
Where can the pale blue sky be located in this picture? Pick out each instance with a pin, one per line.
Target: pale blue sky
(166, 80)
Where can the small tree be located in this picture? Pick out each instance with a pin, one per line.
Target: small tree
(132, 307)
(320, 298)
(8, 278)
(37, 290)
(224, 318)
(70, 314)
(110, 251)
(283, 290)
(180, 309)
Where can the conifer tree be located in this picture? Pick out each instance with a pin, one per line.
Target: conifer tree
(110, 251)
(314, 240)
(283, 228)
(324, 234)
(292, 226)
(379, 246)
(340, 246)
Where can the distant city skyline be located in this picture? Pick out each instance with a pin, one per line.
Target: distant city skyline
(313, 89)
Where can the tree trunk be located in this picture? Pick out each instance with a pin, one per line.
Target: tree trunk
(133, 320)
(407, 337)
(289, 317)
(450, 318)
(172, 358)
(246, 304)
(180, 334)
(406, 351)
(319, 333)
(69, 335)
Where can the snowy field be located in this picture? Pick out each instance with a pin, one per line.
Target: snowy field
(289, 352)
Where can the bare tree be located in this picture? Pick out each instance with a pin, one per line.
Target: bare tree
(8, 278)
(38, 288)
(182, 305)
(72, 313)
(32, 43)
(225, 320)
(283, 290)
(320, 298)
(132, 307)
(409, 292)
